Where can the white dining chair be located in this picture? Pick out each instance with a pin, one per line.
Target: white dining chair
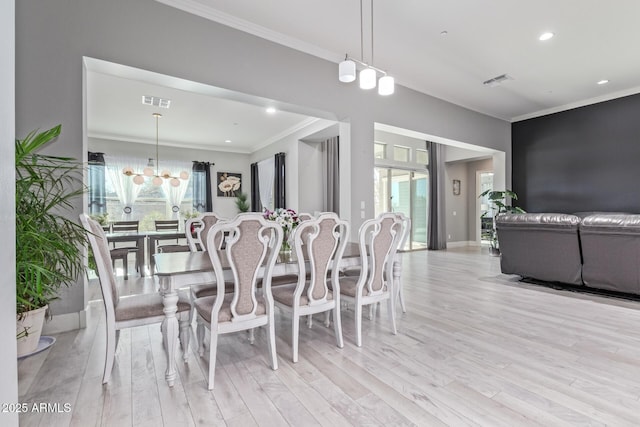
(196, 231)
(397, 259)
(379, 238)
(197, 239)
(246, 252)
(321, 242)
(129, 311)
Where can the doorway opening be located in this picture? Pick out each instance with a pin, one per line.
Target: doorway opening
(404, 191)
(485, 182)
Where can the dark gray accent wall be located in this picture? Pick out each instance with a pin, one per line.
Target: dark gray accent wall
(585, 159)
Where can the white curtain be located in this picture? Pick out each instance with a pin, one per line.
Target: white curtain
(175, 195)
(266, 175)
(126, 190)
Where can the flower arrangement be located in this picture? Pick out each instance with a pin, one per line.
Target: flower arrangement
(288, 219)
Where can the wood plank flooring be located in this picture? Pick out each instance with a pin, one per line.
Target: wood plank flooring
(476, 348)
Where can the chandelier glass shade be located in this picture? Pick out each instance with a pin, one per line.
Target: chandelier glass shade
(157, 177)
(369, 74)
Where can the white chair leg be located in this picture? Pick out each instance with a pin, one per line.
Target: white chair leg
(111, 352)
(295, 331)
(184, 338)
(309, 320)
(252, 336)
(392, 315)
(272, 342)
(200, 335)
(337, 326)
(213, 348)
(358, 317)
(371, 311)
(327, 318)
(401, 296)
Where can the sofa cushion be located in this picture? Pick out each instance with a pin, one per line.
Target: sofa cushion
(538, 221)
(543, 246)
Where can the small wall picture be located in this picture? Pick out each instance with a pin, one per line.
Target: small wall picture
(229, 184)
(456, 187)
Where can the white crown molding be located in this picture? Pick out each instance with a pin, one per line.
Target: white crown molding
(181, 145)
(578, 104)
(220, 17)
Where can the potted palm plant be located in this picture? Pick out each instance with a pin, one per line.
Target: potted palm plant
(48, 243)
(498, 203)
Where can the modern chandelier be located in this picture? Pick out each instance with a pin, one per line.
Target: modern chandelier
(368, 75)
(158, 178)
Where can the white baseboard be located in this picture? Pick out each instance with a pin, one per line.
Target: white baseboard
(461, 244)
(65, 322)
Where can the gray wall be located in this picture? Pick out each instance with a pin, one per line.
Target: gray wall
(53, 36)
(9, 371)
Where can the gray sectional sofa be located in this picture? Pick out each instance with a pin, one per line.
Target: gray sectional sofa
(596, 250)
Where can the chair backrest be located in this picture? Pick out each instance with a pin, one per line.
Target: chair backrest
(247, 247)
(102, 256)
(167, 225)
(303, 216)
(202, 224)
(406, 229)
(124, 226)
(321, 241)
(379, 238)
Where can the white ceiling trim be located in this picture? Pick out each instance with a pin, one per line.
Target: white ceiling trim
(215, 15)
(578, 104)
(222, 148)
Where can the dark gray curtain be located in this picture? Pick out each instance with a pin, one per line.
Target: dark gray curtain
(331, 182)
(97, 195)
(201, 186)
(255, 189)
(436, 231)
(279, 193)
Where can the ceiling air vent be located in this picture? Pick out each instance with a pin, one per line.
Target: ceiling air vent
(497, 81)
(156, 101)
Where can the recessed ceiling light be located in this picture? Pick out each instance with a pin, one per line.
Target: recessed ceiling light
(546, 36)
(603, 82)
(227, 141)
(444, 33)
(271, 110)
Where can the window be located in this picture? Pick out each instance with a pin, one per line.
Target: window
(401, 154)
(379, 150)
(149, 202)
(422, 157)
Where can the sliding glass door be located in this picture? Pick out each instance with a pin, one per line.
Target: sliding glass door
(405, 191)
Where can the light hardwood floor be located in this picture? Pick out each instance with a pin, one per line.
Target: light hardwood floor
(475, 348)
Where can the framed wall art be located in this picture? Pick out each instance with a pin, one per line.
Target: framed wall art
(229, 184)
(456, 187)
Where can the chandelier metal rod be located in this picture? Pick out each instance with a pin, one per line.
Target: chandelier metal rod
(364, 64)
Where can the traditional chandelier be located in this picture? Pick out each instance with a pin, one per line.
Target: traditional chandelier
(368, 75)
(158, 178)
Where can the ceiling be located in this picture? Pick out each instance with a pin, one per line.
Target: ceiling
(200, 116)
(594, 40)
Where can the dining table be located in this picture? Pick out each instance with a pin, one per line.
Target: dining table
(140, 238)
(182, 269)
